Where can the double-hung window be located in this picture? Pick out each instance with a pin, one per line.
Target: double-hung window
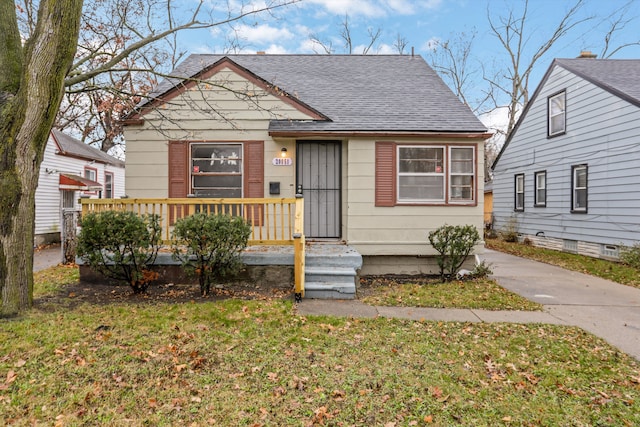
(435, 174)
(556, 109)
(519, 192)
(579, 187)
(216, 170)
(540, 181)
(108, 185)
(461, 174)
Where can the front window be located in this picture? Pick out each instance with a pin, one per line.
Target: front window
(541, 188)
(579, 188)
(216, 170)
(557, 114)
(519, 192)
(436, 174)
(421, 174)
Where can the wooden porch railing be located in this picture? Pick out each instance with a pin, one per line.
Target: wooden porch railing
(273, 221)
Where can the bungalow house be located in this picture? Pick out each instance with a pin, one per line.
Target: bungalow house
(70, 170)
(379, 147)
(567, 177)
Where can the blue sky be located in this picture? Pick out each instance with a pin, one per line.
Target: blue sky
(289, 29)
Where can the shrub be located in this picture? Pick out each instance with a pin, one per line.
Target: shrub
(210, 246)
(630, 255)
(121, 245)
(454, 244)
(482, 270)
(510, 231)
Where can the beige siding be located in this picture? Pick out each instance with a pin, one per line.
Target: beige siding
(398, 230)
(194, 116)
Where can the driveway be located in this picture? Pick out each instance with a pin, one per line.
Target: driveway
(604, 308)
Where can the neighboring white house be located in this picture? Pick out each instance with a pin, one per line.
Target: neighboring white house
(70, 170)
(568, 176)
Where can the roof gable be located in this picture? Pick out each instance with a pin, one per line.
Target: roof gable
(348, 93)
(69, 146)
(620, 77)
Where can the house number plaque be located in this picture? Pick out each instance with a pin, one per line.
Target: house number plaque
(279, 161)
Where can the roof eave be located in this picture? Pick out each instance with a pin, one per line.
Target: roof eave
(474, 134)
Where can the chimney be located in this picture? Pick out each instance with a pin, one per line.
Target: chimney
(587, 54)
(261, 52)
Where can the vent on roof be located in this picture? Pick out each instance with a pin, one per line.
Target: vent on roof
(587, 54)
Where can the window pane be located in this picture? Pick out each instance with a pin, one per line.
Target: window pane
(224, 181)
(580, 199)
(462, 187)
(541, 197)
(557, 114)
(462, 160)
(420, 160)
(421, 188)
(556, 105)
(581, 178)
(217, 158)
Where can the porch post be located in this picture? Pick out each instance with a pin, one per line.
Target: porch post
(299, 248)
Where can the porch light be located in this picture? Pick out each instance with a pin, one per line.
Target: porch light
(283, 152)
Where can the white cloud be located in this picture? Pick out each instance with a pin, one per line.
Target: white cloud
(350, 7)
(275, 49)
(262, 33)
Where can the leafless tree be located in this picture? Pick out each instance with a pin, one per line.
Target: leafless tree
(123, 47)
(41, 55)
(513, 34)
(326, 46)
(616, 23)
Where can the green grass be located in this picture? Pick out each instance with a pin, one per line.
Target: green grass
(609, 270)
(475, 294)
(51, 280)
(260, 364)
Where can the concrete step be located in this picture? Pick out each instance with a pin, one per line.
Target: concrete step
(330, 274)
(329, 290)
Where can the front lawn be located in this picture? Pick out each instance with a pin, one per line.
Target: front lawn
(484, 294)
(259, 363)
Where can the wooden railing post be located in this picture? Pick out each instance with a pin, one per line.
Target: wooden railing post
(299, 248)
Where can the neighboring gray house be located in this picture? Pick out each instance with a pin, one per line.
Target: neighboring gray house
(568, 176)
(71, 169)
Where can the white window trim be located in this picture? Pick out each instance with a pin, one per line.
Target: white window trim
(575, 188)
(551, 116)
(538, 188)
(442, 174)
(472, 174)
(242, 165)
(519, 179)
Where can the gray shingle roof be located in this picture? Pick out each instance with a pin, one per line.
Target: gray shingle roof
(73, 147)
(619, 76)
(359, 93)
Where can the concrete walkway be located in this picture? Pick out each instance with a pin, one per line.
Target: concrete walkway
(606, 309)
(47, 257)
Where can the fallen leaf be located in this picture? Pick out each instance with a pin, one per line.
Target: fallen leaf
(20, 363)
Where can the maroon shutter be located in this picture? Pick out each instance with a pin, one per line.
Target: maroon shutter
(385, 174)
(178, 175)
(254, 177)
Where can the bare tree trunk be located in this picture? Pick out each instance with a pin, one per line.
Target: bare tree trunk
(29, 99)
